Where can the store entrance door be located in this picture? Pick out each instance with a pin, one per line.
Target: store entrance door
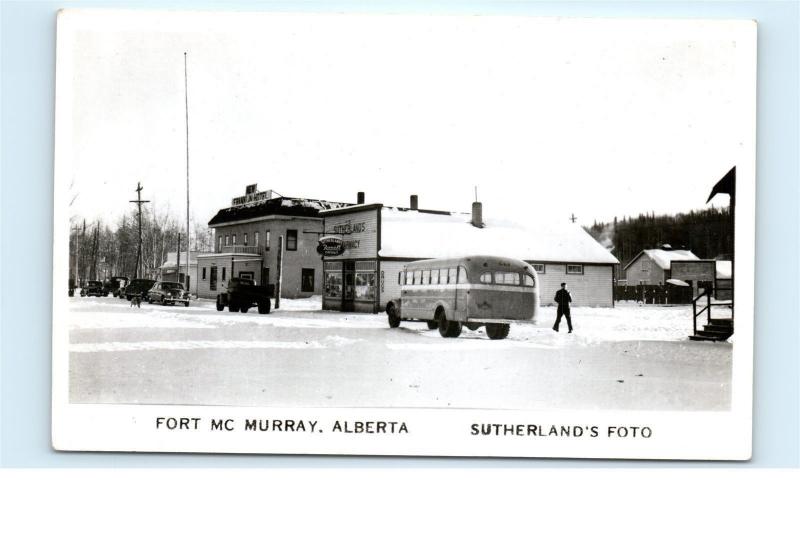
(349, 290)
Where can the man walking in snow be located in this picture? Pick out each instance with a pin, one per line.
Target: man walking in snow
(563, 299)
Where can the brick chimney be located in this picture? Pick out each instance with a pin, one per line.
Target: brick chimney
(477, 214)
(359, 198)
(414, 203)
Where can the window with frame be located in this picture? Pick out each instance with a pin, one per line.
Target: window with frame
(245, 239)
(462, 275)
(333, 280)
(485, 278)
(255, 238)
(538, 267)
(451, 275)
(227, 240)
(505, 277)
(527, 280)
(418, 277)
(291, 239)
(434, 276)
(645, 265)
(426, 276)
(574, 269)
(233, 239)
(219, 244)
(266, 240)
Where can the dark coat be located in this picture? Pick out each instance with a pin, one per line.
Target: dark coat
(563, 298)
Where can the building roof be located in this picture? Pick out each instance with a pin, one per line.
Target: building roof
(172, 259)
(302, 207)
(407, 233)
(663, 257)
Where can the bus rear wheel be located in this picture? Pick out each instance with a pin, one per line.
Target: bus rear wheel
(497, 331)
(448, 328)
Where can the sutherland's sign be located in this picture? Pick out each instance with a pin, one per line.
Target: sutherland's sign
(330, 245)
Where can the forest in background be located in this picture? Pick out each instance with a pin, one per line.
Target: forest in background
(706, 232)
(106, 250)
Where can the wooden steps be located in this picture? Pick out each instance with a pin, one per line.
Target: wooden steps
(718, 329)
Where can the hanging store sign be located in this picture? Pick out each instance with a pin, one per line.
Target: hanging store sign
(330, 245)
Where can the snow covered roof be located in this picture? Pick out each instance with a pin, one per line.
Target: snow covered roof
(663, 257)
(415, 234)
(723, 269)
(172, 259)
(276, 206)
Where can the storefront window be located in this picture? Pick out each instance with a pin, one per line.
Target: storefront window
(365, 285)
(333, 279)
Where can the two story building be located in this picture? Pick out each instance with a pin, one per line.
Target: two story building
(247, 235)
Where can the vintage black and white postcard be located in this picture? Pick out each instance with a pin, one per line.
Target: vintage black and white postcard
(404, 235)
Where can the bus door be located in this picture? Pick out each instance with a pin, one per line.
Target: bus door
(460, 293)
(349, 289)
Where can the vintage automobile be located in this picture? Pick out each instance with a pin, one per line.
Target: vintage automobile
(168, 293)
(93, 288)
(114, 285)
(245, 293)
(137, 287)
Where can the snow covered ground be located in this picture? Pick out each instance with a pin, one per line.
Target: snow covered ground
(629, 357)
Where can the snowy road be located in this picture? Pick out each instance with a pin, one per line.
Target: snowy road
(628, 357)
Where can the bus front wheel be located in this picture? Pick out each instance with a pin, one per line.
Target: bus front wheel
(432, 324)
(497, 331)
(394, 319)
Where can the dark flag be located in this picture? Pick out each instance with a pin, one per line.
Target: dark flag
(726, 185)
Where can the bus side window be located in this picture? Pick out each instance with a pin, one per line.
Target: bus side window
(426, 276)
(451, 275)
(486, 278)
(417, 277)
(528, 280)
(462, 275)
(435, 276)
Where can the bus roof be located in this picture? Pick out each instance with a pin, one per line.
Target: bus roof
(471, 263)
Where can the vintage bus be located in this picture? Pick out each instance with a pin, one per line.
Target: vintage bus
(473, 291)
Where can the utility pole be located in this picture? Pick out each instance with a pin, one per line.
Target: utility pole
(186, 108)
(178, 270)
(138, 201)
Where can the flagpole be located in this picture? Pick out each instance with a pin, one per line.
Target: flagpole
(186, 109)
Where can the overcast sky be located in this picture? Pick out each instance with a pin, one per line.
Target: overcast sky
(546, 117)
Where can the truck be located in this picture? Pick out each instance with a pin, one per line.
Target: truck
(243, 293)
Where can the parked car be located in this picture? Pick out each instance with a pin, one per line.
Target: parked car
(114, 285)
(93, 288)
(168, 293)
(245, 293)
(137, 287)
